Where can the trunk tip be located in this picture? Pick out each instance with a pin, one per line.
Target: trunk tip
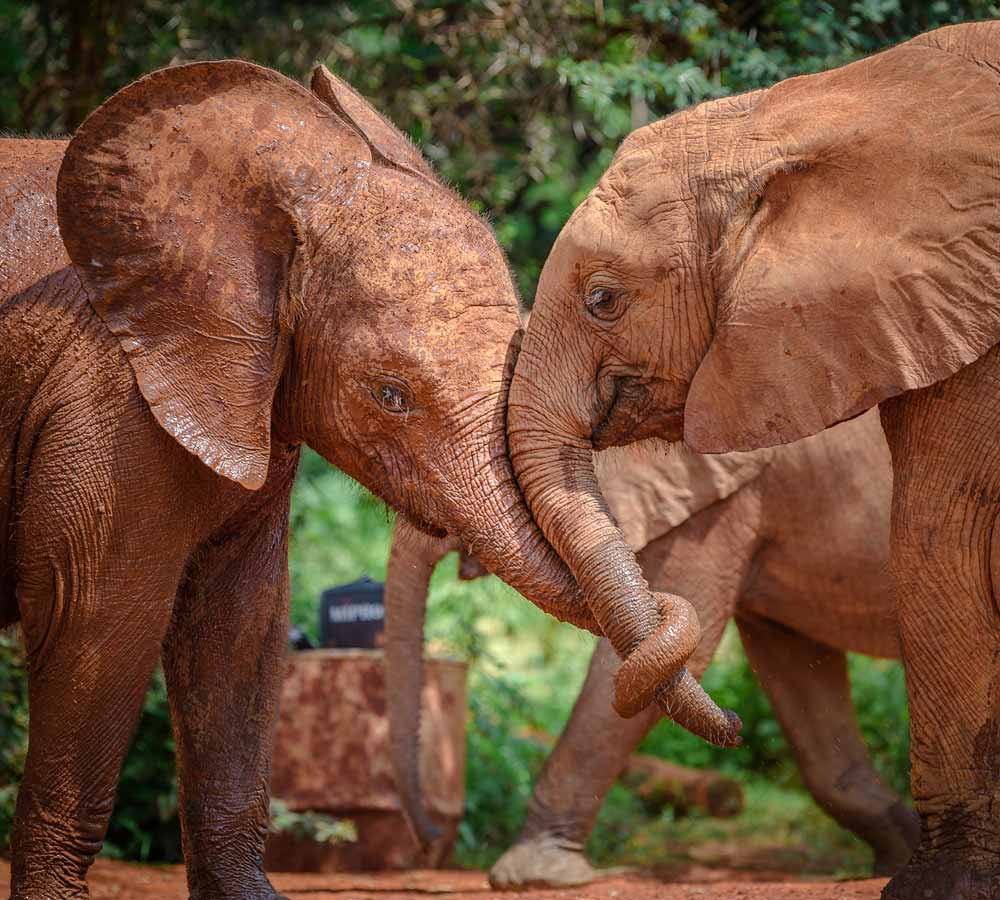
(685, 701)
(424, 830)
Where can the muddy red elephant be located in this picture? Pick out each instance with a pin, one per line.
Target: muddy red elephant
(220, 266)
(753, 270)
(793, 543)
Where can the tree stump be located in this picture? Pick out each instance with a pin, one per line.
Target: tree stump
(331, 755)
(660, 784)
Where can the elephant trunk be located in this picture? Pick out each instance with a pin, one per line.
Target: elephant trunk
(411, 562)
(654, 634)
(496, 527)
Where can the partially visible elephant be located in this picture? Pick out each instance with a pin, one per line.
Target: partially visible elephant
(793, 542)
(220, 266)
(751, 271)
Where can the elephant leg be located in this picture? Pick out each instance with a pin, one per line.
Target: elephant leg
(808, 687)
(946, 567)
(587, 760)
(85, 691)
(707, 559)
(93, 629)
(223, 660)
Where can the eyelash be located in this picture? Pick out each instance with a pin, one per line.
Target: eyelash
(392, 399)
(605, 309)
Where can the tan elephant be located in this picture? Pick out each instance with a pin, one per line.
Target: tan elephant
(750, 271)
(793, 543)
(229, 265)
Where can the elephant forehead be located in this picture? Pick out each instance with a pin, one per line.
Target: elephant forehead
(416, 253)
(445, 338)
(472, 346)
(439, 270)
(635, 232)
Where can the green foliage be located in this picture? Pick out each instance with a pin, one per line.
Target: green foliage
(520, 103)
(311, 825)
(13, 726)
(779, 829)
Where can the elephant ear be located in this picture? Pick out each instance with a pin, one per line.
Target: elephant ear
(864, 260)
(387, 142)
(652, 487)
(182, 201)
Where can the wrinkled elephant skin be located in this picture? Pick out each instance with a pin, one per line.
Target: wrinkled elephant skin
(757, 268)
(220, 266)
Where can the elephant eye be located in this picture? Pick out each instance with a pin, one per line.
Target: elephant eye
(604, 304)
(392, 399)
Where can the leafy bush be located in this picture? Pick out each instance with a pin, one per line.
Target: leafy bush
(520, 103)
(312, 825)
(13, 726)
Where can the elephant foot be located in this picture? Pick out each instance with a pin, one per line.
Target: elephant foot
(939, 876)
(51, 883)
(253, 894)
(271, 894)
(256, 888)
(890, 860)
(544, 861)
(47, 893)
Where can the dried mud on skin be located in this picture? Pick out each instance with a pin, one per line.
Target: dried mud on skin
(125, 881)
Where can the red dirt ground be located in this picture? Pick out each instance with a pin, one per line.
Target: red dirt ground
(123, 881)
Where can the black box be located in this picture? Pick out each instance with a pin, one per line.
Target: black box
(353, 615)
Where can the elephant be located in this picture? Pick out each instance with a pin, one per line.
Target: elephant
(220, 266)
(757, 268)
(793, 543)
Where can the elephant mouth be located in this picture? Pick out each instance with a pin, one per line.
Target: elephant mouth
(632, 415)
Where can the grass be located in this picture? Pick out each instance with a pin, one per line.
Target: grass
(780, 829)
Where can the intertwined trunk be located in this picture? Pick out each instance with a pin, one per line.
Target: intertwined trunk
(488, 513)
(654, 634)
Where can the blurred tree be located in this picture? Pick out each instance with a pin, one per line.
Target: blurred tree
(520, 103)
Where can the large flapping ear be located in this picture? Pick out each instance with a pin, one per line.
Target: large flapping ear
(865, 261)
(182, 200)
(652, 487)
(387, 142)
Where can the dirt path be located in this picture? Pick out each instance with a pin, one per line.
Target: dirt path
(123, 881)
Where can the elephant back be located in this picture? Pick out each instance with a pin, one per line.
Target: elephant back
(652, 487)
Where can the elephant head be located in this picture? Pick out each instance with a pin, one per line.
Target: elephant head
(752, 270)
(280, 265)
